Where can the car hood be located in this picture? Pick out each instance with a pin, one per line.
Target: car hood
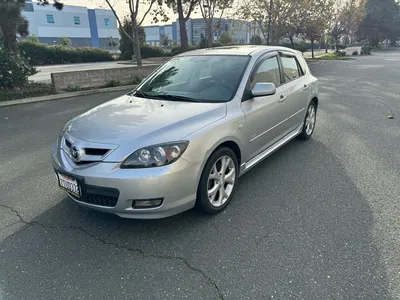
(130, 123)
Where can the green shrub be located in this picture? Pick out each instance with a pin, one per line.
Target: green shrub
(225, 38)
(217, 44)
(341, 53)
(29, 90)
(302, 47)
(366, 50)
(177, 49)
(255, 40)
(113, 83)
(73, 88)
(14, 69)
(148, 51)
(136, 80)
(355, 53)
(41, 54)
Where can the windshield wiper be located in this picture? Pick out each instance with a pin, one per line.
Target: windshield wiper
(175, 98)
(139, 93)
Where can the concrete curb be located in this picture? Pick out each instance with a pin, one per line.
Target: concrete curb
(65, 95)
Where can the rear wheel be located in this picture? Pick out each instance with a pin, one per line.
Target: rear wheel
(218, 181)
(309, 121)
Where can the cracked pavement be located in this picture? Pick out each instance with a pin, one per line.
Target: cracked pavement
(316, 220)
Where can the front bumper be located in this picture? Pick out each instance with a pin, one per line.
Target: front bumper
(176, 184)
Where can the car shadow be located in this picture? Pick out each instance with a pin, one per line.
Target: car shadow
(297, 228)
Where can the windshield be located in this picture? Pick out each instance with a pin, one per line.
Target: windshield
(209, 78)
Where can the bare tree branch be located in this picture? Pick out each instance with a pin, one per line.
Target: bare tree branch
(147, 11)
(118, 20)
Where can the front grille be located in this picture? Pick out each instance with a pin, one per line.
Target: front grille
(94, 151)
(101, 200)
(101, 196)
(68, 143)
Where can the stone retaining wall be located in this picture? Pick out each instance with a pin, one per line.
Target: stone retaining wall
(99, 78)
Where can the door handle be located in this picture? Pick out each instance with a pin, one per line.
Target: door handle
(305, 87)
(282, 98)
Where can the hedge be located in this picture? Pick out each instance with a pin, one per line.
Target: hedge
(32, 89)
(42, 54)
(146, 51)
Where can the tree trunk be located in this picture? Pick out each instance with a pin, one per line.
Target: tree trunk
(291, 41)
(136, 42)
(312, 48)
(269, 21)
(182, 27)
(209, 33)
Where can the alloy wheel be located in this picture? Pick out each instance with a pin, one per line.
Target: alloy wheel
(221, 181)
(310, 120)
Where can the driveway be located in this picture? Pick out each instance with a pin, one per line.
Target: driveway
(316, 220)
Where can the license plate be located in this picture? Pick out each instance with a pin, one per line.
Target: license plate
(69, 185)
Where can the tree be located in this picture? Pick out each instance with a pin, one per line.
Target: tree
(346, 18)
(12, 22)
(125, 44)
(166, 41)
(274, 18)
(225, 38)
(136, 22)
(381, 21)
(184, 9)
(209, 9)
(255, 40)
(66, 42)
(317, 12)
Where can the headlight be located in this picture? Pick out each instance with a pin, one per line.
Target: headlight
(155, 156)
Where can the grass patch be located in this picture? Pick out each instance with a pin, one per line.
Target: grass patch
(331, 56)
(33, 89)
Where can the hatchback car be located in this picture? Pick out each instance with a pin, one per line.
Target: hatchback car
(186, 134)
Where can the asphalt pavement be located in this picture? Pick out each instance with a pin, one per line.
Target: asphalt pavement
(316, 220)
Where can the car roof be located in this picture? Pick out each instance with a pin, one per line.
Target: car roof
(249, 50)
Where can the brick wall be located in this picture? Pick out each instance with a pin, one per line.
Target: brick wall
(99, 78)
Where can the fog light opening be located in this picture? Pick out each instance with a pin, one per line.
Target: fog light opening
(147, 203)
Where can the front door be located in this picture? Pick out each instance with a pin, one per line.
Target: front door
(266, 115)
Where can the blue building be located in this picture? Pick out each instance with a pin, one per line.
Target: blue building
(85, 27)
(239, 30)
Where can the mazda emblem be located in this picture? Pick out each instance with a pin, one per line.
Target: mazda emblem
(76, 153)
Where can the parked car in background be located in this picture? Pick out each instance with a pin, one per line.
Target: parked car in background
(184, 136)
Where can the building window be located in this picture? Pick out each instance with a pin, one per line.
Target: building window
(50, 19)
(107, 22)
(77, 20)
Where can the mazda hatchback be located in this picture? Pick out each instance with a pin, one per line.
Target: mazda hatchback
(186, 134)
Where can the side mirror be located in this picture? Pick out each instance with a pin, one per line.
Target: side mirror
(263, 89)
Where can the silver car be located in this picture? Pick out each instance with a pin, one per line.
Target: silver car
(186, 134)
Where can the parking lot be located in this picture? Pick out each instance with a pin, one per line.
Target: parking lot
(316, 220)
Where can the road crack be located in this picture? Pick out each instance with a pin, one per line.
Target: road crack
(183, 260)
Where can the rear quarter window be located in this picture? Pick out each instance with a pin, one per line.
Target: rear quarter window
(303, 64)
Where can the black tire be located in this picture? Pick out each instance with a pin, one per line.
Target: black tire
(203, 204)
(304, 135)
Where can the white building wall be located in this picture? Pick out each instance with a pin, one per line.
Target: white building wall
(103, 30)
(63, 21)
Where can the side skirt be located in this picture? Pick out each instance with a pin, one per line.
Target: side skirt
(259, 157)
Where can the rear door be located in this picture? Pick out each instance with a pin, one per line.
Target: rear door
(296, 89)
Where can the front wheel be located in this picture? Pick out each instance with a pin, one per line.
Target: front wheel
(218, 181)
(309, 122)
